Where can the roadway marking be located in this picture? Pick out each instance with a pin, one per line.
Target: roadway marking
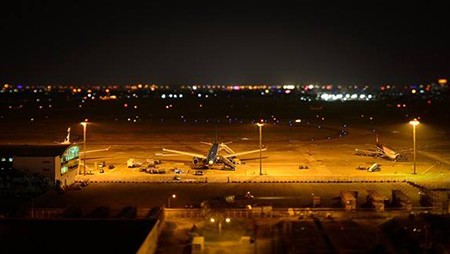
(426, 170)
(434, 157)
(319, 167)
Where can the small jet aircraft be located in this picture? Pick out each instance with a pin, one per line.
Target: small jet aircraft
(381, 151)
(228, 159)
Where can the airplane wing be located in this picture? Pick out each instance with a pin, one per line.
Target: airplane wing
(368, 152)
(167, 154)
(182, 153)
(98, 150)
(243, 153)
(405, 150)
(61, 143)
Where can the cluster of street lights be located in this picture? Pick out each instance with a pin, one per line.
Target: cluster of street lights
(220, 220)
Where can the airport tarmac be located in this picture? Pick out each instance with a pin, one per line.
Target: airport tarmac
(325, 151)
(332, 165)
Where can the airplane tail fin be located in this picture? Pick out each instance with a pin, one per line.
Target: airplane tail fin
(67, 140)
(378, 144)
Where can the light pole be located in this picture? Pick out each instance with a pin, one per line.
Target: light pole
(260, 125)
(414, 123)
(168, 200)
(84, 147)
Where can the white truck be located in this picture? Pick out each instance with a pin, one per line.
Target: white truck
(132, 163)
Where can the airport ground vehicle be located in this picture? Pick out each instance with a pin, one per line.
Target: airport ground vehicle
(375, 167)
(199, 172)
(153, 163)
(151, 170)
(178, 171)
(132, 163)
(302, 166)
(372, 168)
(361, 167)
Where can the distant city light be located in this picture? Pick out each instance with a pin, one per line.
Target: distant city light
(442, 81)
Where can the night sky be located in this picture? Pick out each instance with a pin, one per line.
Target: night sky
(223, 42)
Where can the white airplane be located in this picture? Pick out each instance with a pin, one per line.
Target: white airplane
(213, 157)
(68, 142)
(381, 151)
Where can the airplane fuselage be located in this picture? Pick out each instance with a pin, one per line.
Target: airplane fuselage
(212, 154)
(228, 159)
(388, 152)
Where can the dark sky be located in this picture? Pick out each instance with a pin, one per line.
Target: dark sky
(223, 42)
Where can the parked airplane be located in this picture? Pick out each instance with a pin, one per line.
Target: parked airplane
(213, 157)
(68, 142)
(381, 151)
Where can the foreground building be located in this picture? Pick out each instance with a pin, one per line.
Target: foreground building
(57, 162)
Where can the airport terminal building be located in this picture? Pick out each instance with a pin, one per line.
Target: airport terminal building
(57, 162)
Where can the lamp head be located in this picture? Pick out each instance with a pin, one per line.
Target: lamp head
(414, 122)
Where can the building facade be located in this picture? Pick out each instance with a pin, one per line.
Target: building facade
(57, 162)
